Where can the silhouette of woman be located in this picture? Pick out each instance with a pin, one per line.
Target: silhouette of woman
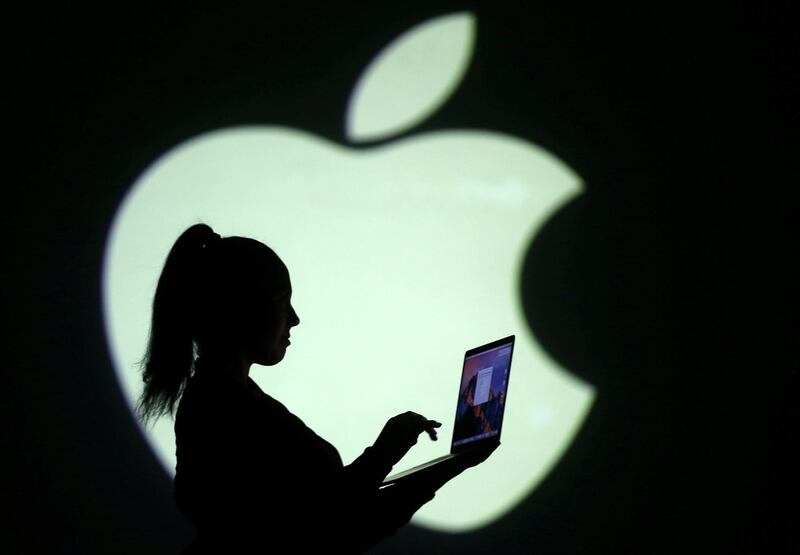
(250, 474)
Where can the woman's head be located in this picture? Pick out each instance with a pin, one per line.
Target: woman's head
(225, 298)
(243, 305)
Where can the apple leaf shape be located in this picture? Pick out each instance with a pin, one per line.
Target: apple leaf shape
(411, 78)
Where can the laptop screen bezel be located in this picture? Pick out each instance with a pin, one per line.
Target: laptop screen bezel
(509, 340)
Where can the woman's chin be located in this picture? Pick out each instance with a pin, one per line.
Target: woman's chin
(272, 358)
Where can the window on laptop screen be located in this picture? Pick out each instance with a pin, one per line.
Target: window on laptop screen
(482, 395)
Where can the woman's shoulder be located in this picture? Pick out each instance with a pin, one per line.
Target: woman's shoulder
(205, 399)
(213, 401)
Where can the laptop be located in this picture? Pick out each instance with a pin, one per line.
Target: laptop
(482, 393)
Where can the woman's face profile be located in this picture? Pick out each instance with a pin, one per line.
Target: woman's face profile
(272, 319)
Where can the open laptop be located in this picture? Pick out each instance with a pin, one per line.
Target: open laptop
(481, 401)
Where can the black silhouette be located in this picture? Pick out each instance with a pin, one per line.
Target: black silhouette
(249, 473)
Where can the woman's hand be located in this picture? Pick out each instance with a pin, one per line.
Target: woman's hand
(434, 477)
(400, 434)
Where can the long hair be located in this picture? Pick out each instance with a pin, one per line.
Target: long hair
(171, 348)
(204, 299)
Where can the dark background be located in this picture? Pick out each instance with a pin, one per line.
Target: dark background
(666, 285)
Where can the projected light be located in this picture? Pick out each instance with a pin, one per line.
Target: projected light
(402, 257)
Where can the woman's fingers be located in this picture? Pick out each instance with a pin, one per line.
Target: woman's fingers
(418, 424)
(401, 433)
(430, 427)
(414, 424)
(427, 424)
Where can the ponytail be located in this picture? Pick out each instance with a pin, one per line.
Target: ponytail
(169, 360)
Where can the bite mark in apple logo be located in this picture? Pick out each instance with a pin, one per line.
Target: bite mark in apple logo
(402, 256)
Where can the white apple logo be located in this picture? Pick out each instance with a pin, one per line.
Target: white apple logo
(402, 257)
